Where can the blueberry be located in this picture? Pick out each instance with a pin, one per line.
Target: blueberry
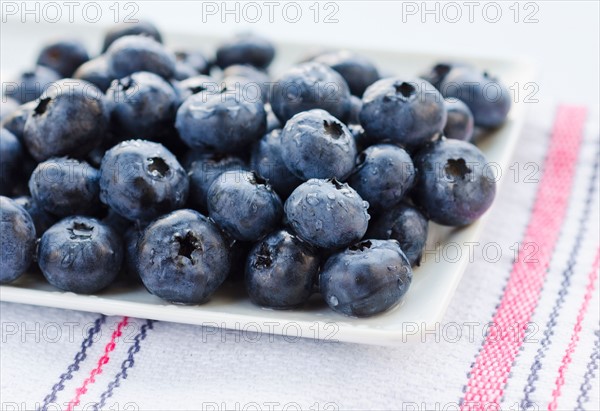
(8, 106)
(183, 257)
(327, 214)
(239, 255)
(404, 224)
(71, 118)
(130, 54)
(246, 70)
(249, 79)
(194, 59)
(11, 153)
(15, 121)
(437, 74)
(117, 222)
(131, 240)
(358, 71)
(64, 186)
(18, 240)
(63, 56)
(460, 123)
(204, 170)
(487, 98)
(42, 220)
(143, 28)
(405, 112)
(308, 86)
(355, 108)
(245, 49)
(21, 175)
(280, 271)
(267, 160)
(183, 71)
(95, 156)
(195, 85)
(366, 279)
(141, 180)
(246, 87)
(384, 173)
(142, 104)
(244, 205)
(80, 255)
(361, 139)
(170, 139)
(314, 144)
(220, 122)
(31, 84)
(272, 120)
(96, 72)
(455, 185)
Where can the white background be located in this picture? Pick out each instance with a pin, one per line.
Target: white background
(561, 37)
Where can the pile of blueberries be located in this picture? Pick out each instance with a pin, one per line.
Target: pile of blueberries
(181, 170)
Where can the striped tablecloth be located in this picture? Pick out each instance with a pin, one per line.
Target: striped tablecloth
(522, 331)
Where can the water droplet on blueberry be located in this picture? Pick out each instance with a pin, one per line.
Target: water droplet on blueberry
(312, 199)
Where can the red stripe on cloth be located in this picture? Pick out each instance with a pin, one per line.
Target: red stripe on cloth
(560, 379)
(490, 371)
(101, 361)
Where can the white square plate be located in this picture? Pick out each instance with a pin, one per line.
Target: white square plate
(434, 281)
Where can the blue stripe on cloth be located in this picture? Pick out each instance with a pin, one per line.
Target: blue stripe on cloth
(74, 366)
(126, 365)
(590, 372)
(546, 342)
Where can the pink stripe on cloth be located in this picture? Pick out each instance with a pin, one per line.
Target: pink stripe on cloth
(560, 379)
(490, 371)
(104, 359)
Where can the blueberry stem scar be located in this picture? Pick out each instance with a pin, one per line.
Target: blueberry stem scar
(80, 231)
(187, 245)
